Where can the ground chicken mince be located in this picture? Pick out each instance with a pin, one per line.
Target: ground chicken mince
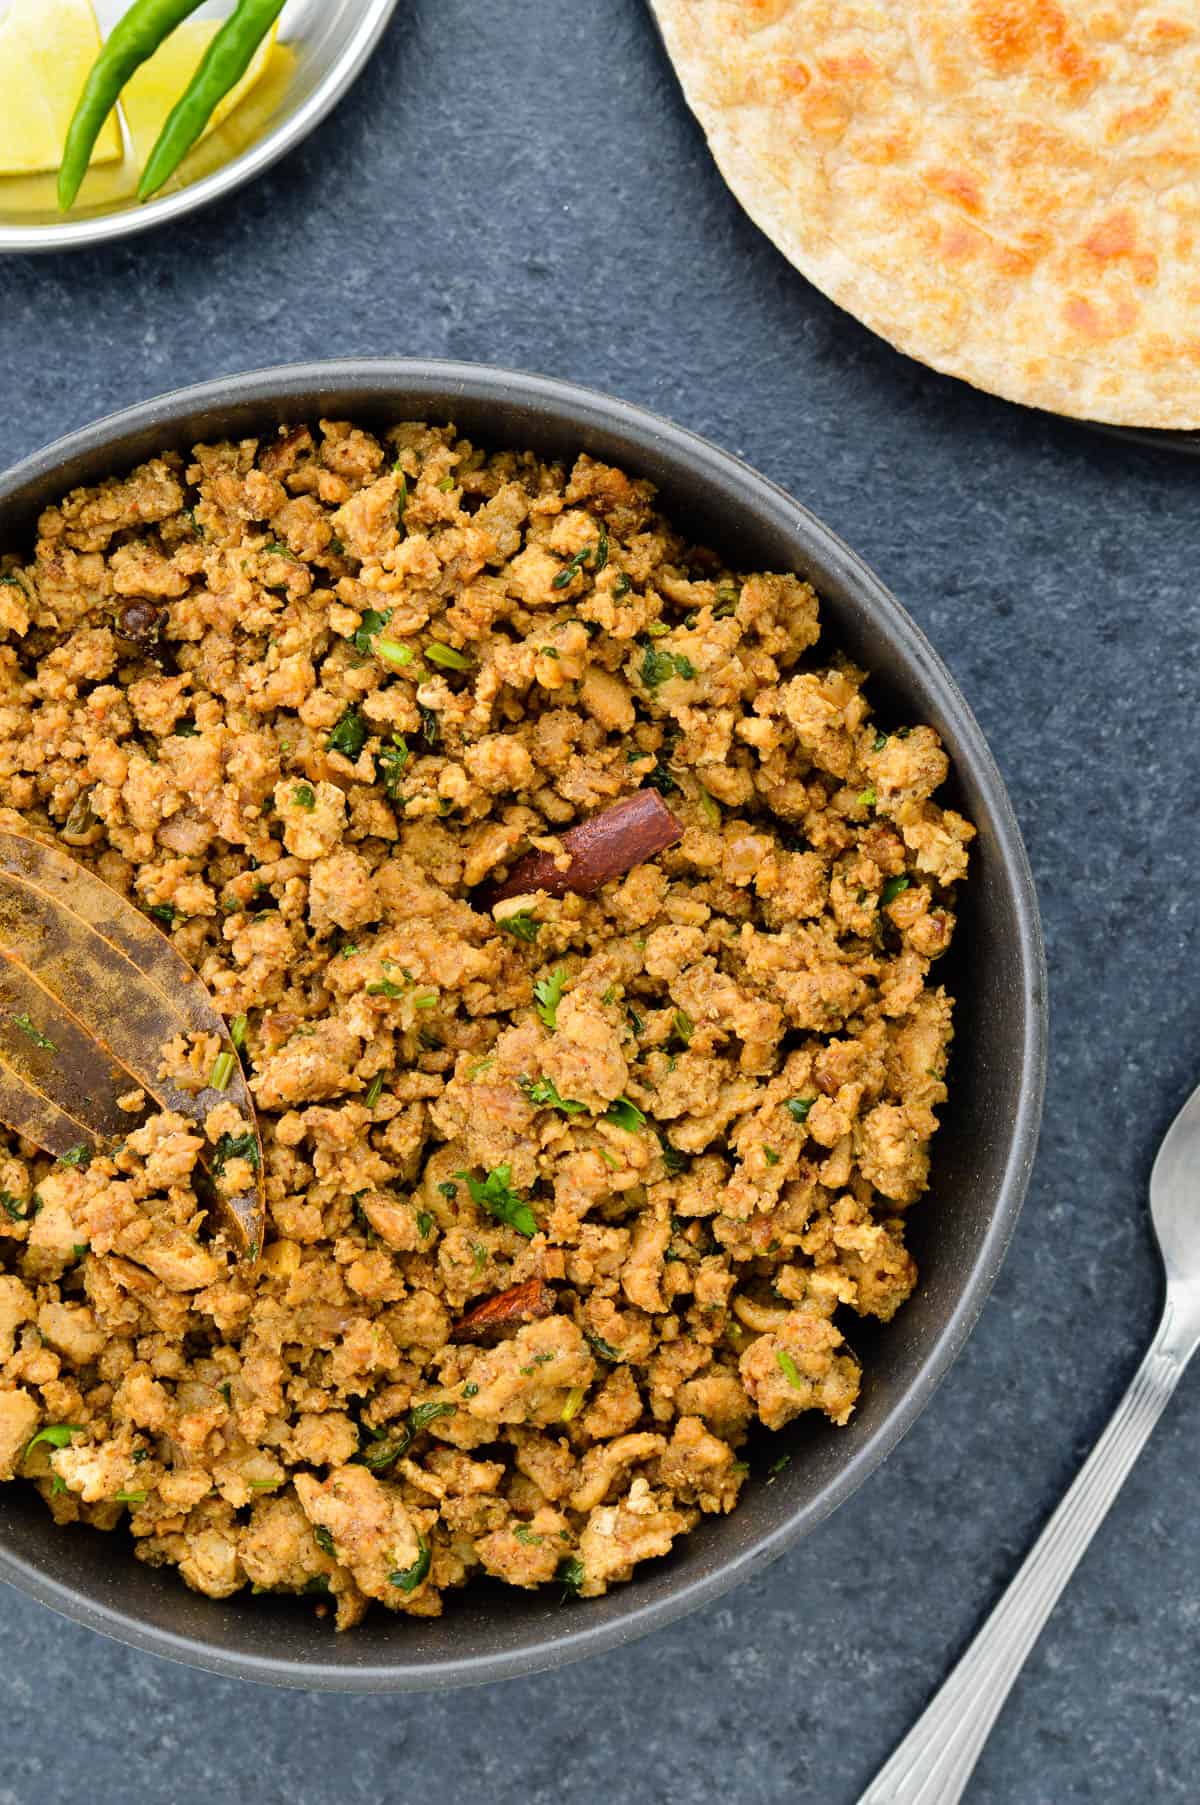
(299, 698)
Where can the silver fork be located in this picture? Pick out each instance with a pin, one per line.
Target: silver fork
(936, 1759)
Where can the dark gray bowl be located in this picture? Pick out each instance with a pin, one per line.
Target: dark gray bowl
(983, 1153)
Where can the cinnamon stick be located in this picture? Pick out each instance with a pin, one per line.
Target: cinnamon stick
(508, 1309)
(607, 845)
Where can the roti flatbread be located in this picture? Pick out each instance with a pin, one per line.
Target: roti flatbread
(1008, 190)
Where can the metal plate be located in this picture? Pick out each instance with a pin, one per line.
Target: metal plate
(323, 45)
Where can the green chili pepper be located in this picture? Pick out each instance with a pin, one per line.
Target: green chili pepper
(221, 68)
(128, 46)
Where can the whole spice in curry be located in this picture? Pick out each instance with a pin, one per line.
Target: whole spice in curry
(606, 846)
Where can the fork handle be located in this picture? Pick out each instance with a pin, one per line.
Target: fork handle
(936, 1759)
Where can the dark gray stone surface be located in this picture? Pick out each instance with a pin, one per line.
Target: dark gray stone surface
(522, 184)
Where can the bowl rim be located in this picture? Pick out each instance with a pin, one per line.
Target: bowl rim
(128, 221)
(368, 382)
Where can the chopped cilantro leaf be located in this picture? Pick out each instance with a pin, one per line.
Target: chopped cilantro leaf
(522, 926)
(389, 767)
(372, 624)
(304, 797)
(572, 568)
(543, 1092)
(548, 994)
(570, 1572)
(892, 889)
(235, 1146)
(55, 1435)
(625, 1115)
(657, 666)
(674, 1161)
(411, 1577)
(386, 1451)
(496, 1195)
(349, 736)
(660, 778)
(422, 1415)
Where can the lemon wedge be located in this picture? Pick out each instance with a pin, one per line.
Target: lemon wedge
(154, 88)
(46, 50)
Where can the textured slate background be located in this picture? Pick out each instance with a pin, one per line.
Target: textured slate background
(521, 183)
